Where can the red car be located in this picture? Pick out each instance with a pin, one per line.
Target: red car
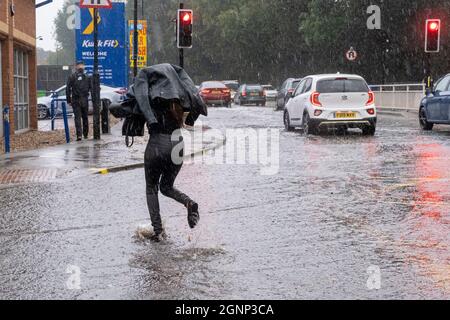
(215, 93)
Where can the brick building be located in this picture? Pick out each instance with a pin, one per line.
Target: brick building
(18, 64)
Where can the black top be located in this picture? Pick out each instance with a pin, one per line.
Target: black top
(78, 86)
(167, 123)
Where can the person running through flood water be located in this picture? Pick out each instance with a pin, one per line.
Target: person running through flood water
(164, 93)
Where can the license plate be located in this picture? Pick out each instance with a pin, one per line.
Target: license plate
(254, 94)
(345, 115)
(216, 92)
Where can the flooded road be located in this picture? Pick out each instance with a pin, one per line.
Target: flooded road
(346, 217)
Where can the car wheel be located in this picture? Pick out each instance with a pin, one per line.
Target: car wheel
(42, 112)
(307, 127)
(369, 130)
(287, 122)
(341, 131)
(423, 120)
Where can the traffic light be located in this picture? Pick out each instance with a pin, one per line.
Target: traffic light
(184, 28)
(433, 35)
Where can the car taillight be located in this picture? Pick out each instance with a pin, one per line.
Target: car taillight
(205, 91)
(371, 99)
(262, 93)
(371, 111)
(291, 91)
(226, 91)
(315, 99)
(244, 93)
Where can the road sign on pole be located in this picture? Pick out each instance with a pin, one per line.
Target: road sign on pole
(351, 54)
(96, 4)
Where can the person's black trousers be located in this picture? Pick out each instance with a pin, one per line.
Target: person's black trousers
(160, 174)
(81, 110)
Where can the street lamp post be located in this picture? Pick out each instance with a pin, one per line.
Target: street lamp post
(135, 40)
(96, 81)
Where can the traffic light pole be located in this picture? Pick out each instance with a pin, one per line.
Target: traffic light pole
(428, 76)
(181, 49)
(182, 57)
(96, 81)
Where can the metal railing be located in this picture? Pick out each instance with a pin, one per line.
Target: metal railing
(399, 96)
(6, 128)
(64, 113)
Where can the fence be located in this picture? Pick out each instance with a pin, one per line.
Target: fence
(55, 100)
(399, 96)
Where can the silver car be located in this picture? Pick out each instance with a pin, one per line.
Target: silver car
(113, 95)
(271, 92)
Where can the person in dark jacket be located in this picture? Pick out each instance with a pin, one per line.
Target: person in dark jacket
(79, 86)
(164, 93)
(160, 168)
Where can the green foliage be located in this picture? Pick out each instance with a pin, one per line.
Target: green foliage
(65, 39)
(270, 40)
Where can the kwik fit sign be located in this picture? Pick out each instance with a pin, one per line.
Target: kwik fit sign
(112, 44)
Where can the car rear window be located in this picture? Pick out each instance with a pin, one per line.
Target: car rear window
(214, 85)
(232, 86)
(342, 85)
(254, 88)
(295, 84)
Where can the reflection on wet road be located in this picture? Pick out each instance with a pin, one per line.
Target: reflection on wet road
(339, 205)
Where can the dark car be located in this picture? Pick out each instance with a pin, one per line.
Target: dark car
(233, 85)
(435, 107)
(285, 93)
(250, 94)
(215, 93)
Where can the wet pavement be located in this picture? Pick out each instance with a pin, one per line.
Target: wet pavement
(83, 158)
(339, 208)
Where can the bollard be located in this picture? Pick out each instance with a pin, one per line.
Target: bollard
(105, 117)
(6, 128)
(52, 110)
(66, 121)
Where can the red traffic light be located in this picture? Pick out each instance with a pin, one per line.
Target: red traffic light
(433, 35)
(185, 28)
(433, 25)
(186, 17)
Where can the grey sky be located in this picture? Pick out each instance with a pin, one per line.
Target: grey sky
(44, 20)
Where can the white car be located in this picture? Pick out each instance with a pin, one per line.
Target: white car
(113, 95)
(331, 101)
(271, 92)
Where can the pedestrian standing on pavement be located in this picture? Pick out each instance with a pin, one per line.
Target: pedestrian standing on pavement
(164, 93)
(79, 86)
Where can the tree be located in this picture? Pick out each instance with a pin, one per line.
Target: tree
(65, 38)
